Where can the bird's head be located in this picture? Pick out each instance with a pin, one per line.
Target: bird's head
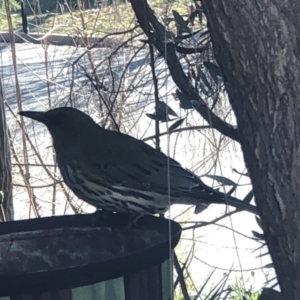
(64, 123)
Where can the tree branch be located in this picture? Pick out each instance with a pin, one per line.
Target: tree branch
(199, 49)
(181, 278)
(162, 40)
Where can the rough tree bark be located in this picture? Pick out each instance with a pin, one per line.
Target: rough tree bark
(5, 166)
(257, 46)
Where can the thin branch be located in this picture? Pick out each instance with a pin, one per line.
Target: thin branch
(32, 201)
(199, 49)
(33, 165)
(178, 130)
(227, 270)
(98, 90)
(38, 186)
(181, 278)
(203, 224)
(213, 221)
(156, 95)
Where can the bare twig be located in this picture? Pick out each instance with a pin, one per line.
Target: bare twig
(178, 130)
(181, 278)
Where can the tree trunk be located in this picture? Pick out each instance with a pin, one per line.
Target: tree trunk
(7, 210)
(257, 46)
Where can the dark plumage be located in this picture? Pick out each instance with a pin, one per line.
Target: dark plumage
(116, 172)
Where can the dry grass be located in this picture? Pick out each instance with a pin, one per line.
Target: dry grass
(94, 22)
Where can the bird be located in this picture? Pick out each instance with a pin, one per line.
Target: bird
(117, 173)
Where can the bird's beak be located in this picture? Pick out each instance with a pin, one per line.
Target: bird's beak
(35, 115)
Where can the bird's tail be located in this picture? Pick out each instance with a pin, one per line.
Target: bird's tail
(205, 196)
(238, 204)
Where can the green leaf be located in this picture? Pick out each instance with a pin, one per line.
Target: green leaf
(216, 98)
(159, 117)
(181, 24)
(258, 221)
(203, 77)
(195, 103)
(145, 41)
(176, 124)
(263, 245)
(221, 179)
(160, 105)
(268, 266)
(214, 70)
(179, 38)
(203, 88)
(248, 197)
(259, 236)
(243, 174)
(232, 190)
(184, 101)
(262, 255)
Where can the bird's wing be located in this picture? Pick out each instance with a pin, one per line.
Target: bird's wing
(147, 175)
(144, 168)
